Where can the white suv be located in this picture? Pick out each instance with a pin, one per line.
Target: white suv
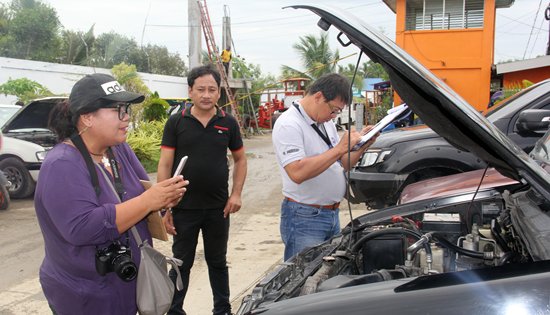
(26, 142)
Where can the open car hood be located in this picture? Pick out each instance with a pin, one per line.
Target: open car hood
(33, 116)
(441, 108)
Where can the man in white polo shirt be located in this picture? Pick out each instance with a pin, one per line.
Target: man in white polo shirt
(312, 159)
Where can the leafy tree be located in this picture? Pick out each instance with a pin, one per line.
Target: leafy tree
(349, 71)
(371, 69)
(127, 76)
(24, 89)
(112, 49)
(252, 72)
(368, 69)
(75, 47)
(316, 56)
(32, 31)
(161, 61)
(155, 108)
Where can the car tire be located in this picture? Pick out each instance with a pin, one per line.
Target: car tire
(22, 184)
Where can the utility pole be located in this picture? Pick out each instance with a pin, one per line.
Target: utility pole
(226, 36)
(194, 34)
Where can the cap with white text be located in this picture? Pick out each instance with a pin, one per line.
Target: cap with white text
(98, 90)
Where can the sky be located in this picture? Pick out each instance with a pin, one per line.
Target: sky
(264, 33)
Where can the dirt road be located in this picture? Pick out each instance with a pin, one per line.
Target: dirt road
(254, 242)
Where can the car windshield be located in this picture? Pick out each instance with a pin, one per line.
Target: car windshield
(6, 113)
(541, 152)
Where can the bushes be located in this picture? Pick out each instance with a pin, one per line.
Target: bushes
(145, 141)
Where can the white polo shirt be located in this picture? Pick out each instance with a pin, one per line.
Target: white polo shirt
(294, 139)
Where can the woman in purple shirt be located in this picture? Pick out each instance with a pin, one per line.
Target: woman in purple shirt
(79, 223)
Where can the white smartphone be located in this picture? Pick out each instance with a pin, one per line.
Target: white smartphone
(180, 166)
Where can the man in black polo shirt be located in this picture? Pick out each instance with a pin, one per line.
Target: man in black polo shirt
(203, 132)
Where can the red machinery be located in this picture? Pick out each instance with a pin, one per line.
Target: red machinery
(294, 88)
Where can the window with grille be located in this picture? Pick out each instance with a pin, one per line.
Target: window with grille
(444, 14)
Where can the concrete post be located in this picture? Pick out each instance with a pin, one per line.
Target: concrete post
(195, 34)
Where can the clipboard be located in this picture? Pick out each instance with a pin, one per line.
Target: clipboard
(394, 114)
(154, 219)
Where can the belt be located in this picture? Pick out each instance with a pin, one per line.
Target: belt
(333, 206)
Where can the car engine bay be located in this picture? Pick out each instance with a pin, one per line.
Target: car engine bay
(416, 240)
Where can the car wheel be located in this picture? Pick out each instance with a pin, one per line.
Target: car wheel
(22, 184)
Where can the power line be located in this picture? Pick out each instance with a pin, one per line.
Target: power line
(532, 28)
(536, 38)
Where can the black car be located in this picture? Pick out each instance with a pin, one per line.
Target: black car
(407, 155)
(432, 256)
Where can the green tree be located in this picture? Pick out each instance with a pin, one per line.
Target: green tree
(251, 72)
(370, 69)
(316, 56)
(155, 108)
(349, 71)
(127, 76)
(32, 31)
(111, 49)
(160, 61)
(24, 89)
(75, 47)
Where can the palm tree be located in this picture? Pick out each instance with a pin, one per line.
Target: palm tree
(316, 56)
(348, 71)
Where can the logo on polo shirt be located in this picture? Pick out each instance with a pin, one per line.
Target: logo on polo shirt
(112, 87)
(291, 151)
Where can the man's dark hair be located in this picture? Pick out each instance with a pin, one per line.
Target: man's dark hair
(332, 85)
(200, 71)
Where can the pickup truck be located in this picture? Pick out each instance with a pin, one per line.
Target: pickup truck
(407, 155)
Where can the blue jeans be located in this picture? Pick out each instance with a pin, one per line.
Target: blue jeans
(304, 226)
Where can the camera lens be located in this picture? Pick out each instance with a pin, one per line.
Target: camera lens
(125, 268)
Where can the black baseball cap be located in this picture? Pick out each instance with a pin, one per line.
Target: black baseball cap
(98, 90)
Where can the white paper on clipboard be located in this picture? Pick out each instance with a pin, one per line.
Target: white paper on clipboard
(394, 114)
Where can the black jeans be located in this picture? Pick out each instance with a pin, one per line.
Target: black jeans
(215, 231)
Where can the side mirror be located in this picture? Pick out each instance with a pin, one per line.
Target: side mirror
(531, 120)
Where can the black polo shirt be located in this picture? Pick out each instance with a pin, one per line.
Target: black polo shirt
(207, 167)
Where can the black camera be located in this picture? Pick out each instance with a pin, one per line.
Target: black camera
(117, 258)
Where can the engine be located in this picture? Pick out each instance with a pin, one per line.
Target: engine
(437, 243)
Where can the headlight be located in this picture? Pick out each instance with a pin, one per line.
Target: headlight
(41, 155)
(373, 156)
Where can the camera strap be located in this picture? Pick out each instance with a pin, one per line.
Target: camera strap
(118, 188)
(79, 144)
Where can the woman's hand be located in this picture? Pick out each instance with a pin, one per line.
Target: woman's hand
(165, 194)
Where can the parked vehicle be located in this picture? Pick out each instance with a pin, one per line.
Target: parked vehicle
(294, 89)
(346, 118)
(26, 142)
(428, 256)
(4, 183)
(407, 155)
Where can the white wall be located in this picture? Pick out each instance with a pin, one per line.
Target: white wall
(60, 78)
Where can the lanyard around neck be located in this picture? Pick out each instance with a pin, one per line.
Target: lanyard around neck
(321, 134)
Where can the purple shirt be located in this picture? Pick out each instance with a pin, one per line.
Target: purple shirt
(75, 222)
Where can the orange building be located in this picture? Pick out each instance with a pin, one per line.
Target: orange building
(533, 70)
(452, 38)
